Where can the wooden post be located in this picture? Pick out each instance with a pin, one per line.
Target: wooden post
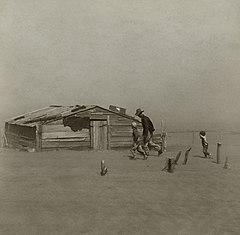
(226, 164)
(104, 169)
(164, 141)
(218, 152)
(186, 156)
(173, 161)
(177, 157)
(38, 137)
(170, 165)
(108, 133)
(161, 126)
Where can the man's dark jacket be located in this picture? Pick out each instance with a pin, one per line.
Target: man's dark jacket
(147, 126)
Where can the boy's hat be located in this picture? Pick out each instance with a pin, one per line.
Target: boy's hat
(138, 111)
(134, 124)
(202, 133)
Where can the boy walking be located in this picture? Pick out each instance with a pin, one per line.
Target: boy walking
(202, 135)
(136, 142)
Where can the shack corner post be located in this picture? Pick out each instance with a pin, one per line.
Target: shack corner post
(39, 138)
(108, 133)
(3, 141)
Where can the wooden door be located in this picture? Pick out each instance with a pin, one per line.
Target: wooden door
(99, 134)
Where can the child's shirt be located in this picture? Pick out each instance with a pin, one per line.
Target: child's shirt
(204, 140)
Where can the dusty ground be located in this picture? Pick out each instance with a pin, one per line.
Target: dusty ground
(63, 193)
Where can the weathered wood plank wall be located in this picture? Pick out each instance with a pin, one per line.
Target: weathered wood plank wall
(58, 136)
(18, 136)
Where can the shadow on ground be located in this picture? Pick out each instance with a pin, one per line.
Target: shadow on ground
(199, 156)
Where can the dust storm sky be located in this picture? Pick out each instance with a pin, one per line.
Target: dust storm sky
(177, 60)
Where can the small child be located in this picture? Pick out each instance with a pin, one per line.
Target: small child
(202, 135)
(136, 142)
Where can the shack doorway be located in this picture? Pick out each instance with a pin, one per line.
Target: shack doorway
(99, 134)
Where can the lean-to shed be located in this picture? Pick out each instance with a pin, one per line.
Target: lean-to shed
(70, 127)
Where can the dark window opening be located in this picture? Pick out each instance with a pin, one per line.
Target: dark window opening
(77, 123)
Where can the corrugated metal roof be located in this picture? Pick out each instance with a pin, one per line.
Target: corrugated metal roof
(54, 112)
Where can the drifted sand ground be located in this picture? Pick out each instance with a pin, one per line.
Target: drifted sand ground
(63, 193)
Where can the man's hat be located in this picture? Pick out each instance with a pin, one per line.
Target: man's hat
(138, 111)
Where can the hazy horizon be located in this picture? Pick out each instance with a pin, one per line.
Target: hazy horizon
(177, 60)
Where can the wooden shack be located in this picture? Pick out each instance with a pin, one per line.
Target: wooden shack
(70, 127)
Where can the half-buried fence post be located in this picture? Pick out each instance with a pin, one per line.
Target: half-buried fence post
(169, 165)
(186, 156)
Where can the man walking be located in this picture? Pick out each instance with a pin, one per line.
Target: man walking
(148, 130)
